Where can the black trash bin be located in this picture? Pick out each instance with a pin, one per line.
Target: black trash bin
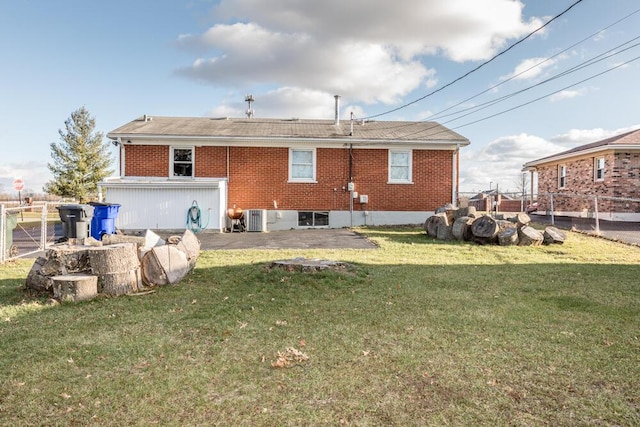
(76, 220)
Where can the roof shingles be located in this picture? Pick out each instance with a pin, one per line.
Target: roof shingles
(287, 128)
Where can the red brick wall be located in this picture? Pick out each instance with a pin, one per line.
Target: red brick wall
(210, 162)
(146, 160)
(258, 176)
(621, 179)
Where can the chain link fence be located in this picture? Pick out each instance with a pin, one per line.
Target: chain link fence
(27, 230)
(614, 218)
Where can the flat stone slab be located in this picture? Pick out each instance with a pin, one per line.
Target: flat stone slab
(310, 264)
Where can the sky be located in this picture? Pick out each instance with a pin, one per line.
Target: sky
(519, 84)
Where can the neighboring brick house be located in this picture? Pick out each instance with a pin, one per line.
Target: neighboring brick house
(608, 169)
(294, 173)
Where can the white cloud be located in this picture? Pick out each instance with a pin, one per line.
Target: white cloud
(366, 50)
(530, 68)
(575, 137)
(567, 94)
(34, 174)
(289, 102)
(500, 161)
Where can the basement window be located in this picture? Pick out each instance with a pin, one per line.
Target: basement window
(562, 176)
(313, 219)
(181, 162)
(400, 166)
(598, 169)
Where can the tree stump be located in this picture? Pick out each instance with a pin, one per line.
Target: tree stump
(75, 287)
(529, 236)
(469, 211)
(189, 244)
(432, 223)
(164, 265)
(114, 239)
(444, 231)
(508, 236)
(522, 219)
(118, 258)
(485, 227)
(36, 279)
(117, 267)
(461, 228)
(66, 259)
(553, 235)
(122, 283)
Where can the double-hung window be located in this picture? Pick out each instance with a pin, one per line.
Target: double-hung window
(400, 166)
(181, 162)
(562, 176)
(598, 169)
(302, 165)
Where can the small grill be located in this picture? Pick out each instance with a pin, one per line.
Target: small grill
(236, 215)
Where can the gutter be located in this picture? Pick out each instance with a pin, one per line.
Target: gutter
(224, 140)
(564, 156)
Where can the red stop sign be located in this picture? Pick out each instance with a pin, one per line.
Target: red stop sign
(18, 184)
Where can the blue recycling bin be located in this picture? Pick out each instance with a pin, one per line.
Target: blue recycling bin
(104, 219)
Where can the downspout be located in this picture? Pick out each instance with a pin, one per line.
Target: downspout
(351, 186)
(531, 182)
(454, 176)
(227, 163)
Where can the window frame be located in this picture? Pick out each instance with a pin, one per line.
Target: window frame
(314, 217)
(391, 166)
(173, 162)
(314, 165)
(562, 176)
(598, 173)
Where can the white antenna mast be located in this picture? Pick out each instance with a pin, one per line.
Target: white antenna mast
(249, 99)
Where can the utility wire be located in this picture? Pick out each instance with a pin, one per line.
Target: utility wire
(578, 67)
(478, 107)
(531, 101)
(435, 116)
(481, 65)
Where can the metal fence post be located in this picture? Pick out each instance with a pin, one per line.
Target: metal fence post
(43, 227)
(595, 211)
(3, 233)
(551, 206)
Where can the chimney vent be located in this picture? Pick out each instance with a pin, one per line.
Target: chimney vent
(337, 115)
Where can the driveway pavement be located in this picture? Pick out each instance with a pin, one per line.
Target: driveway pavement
(338, 238)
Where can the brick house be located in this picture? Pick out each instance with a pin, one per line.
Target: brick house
(608, 169)
(288, 173)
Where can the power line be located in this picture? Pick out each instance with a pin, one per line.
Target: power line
(481, 65)
(438, 114)
(601, 57)
(471, 110)
(535, 99)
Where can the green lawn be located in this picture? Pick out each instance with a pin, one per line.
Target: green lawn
(419, 332)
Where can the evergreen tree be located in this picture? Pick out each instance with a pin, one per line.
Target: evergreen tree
(80, 160)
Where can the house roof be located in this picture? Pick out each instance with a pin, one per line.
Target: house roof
(207, 128)
(629, 140)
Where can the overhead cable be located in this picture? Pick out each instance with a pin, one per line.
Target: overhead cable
(481, 65)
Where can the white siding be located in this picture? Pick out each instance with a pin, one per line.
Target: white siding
(166, 208)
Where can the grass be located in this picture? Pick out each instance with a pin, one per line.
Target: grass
(420, 332)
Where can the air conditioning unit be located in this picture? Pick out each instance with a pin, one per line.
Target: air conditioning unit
(256, 219)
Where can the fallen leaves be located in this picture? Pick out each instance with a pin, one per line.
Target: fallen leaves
(289, 358)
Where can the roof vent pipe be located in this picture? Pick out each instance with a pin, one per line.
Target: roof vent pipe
(337, 116)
